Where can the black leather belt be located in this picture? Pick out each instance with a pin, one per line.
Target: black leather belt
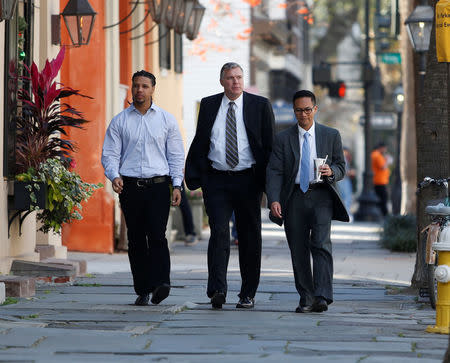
(231, 172)
(312, 186)
(143, 182)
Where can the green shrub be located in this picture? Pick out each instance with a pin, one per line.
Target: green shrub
(399, 233)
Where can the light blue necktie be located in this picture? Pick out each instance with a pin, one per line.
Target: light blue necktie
(305, 164)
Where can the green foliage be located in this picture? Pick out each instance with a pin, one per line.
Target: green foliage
(10, 300)
(399, 233)
(65, 193)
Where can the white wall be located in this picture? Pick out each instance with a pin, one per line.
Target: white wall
(218, 42)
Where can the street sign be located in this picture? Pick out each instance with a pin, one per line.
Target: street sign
(391, 58)
(381, 121)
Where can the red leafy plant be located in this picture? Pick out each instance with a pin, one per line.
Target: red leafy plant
(43, 117)
(42, 154)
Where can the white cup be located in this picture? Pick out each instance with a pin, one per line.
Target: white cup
(317, 163)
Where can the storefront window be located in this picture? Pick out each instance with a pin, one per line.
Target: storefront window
(18, 51)
(164, 46)
(178, 50)
(10, 101)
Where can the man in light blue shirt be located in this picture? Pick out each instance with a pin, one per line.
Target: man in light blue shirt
(143, 154)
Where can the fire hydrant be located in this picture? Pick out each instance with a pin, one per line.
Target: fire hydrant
(442, 274)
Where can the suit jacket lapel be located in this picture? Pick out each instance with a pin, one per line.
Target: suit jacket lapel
(295, 146)
(319, 141)
(247, 114)
(213, 109)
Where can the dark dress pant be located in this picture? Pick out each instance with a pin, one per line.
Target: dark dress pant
(224, 192)
(381, 192)
(308, 229)
(146, 211)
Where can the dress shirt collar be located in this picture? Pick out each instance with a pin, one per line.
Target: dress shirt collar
(238, 101)
(311, 131)
(152, 107)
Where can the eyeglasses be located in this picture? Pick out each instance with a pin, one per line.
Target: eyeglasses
(306, 110)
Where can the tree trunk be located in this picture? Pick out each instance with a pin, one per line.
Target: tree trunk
(432, 142)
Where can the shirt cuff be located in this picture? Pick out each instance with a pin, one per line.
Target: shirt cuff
(112, 176)
(176, 182)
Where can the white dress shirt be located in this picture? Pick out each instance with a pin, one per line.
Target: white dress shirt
(313, 151)
(143, 146)
(217, 149)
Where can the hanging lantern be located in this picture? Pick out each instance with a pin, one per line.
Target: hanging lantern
(158, 9)
(7, 9)
(79, 18)
(194, 22)
(184, 15)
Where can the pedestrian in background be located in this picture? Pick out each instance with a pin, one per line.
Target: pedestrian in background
(228, 159)
(191, 237)
(381, 172)
(143, 154)
(307, 208)
(234, 236)
(345, 186)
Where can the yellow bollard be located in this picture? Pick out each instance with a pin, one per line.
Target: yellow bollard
(442, 274)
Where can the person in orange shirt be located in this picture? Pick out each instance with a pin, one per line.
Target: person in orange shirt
(380, 175)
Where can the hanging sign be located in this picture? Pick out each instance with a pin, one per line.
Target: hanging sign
(443, 30)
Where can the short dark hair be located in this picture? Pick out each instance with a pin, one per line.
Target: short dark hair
(304, 93)
(228, 66)
(143, 73)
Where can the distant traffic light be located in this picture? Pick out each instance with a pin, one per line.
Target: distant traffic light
(337, 89)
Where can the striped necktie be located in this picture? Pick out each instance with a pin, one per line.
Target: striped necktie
(231, 144)
(305, 164)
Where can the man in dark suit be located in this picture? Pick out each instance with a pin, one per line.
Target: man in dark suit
(228, 159)
(307, 208)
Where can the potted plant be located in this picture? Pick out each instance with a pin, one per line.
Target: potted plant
(43, 156)
(65, 192)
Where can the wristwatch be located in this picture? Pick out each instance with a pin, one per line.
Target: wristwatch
(177, 187)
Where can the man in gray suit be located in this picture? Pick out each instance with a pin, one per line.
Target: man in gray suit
(307, 208)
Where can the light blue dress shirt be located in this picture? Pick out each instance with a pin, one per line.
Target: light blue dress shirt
(143, 146)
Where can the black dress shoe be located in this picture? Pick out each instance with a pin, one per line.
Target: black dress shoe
(218, 300)
(160, 293)
(142, 300)
(319, 305)
(303, 309)
(246, 303)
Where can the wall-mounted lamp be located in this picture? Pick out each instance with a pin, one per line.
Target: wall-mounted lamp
(194, 21)
(419, 24)
(7, 8)
(79, 18)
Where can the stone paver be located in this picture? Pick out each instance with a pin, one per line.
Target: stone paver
(93, 320)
